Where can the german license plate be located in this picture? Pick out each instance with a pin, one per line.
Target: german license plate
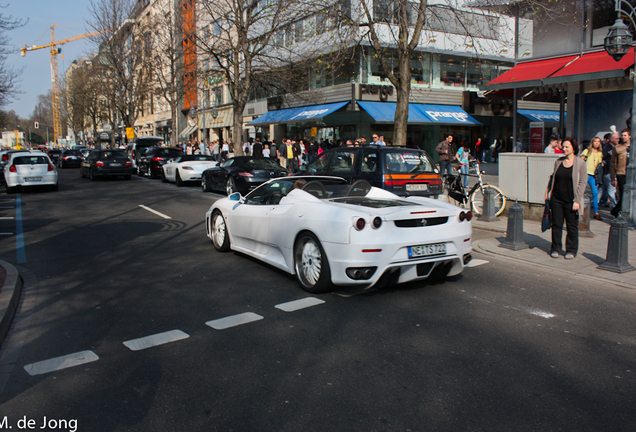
(427, 250)
(32, 179)
(115, 164)
(417, 187)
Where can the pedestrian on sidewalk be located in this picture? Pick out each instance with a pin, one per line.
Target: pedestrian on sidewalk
(618, 168)
(463, 156)
(608, 192)
(446, 155)
(566, 189)
(593, 156)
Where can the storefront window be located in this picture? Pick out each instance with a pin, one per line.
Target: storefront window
(475, 73)
(452, 70)
(420, 69)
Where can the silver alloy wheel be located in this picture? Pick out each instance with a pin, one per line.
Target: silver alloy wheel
(219, 232)
(308, 261)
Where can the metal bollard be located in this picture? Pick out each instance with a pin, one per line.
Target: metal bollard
(584, 219)
(617, 247)
(514, 235)
(488, 208)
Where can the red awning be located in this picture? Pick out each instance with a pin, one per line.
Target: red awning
(529, 74)
(591, 66)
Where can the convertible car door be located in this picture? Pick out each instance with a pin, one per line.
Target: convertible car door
(248, 225)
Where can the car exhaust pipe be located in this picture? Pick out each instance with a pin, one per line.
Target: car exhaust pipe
(467, 258)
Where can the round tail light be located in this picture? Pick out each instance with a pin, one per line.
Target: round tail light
(377, 222)
(360, 224)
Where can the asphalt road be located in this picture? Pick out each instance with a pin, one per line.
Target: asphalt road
(502, 347)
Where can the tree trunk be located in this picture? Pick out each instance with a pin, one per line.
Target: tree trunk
(403, 90)
(237, 133)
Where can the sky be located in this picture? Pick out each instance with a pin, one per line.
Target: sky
(71, 17)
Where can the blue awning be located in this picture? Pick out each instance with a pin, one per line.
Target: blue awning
(541, 116)
(315, 112)
(384, 112)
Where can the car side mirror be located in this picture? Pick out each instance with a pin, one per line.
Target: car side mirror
(170, 160)
(235, 197)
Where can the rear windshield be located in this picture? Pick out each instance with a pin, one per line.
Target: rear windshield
(262, 164)
(168, 152)
(31, 160)
(113, 155)
(409, 162)
(197, 158)
(73, 152)
(55, 151)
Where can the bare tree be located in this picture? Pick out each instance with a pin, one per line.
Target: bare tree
(124, 67)
(8, 75)
(259, 43)
(398, 13)
(166, 54)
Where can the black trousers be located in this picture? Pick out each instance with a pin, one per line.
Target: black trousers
(620, 187)
(563, 211)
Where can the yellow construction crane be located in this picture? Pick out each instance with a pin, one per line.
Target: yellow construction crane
(55, 86)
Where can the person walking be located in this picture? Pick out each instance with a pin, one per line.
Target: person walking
(463, 157)
(446, 155)
(257, 148)
(485, 145)
(566, 189)
(593, 156)
(618, 168)
(215, 150)
(608, 192)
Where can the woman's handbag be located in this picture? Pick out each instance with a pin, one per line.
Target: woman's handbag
(598, 174)
(545, 221)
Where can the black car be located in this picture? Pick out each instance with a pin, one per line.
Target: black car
(54, 155)
(241, 174)
(100, 163)
(403, 171)
(136, 149)
(152, 160)
(70, 158)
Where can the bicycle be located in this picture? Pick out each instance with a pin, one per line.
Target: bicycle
(454, 188)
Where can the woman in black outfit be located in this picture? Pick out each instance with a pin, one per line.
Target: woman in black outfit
(566, 190)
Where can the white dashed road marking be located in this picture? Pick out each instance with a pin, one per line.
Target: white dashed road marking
(156, 339)
(59, 363)
(7, 217)
(155, 212)
(234, 320)
(476, 262)
(299, 304)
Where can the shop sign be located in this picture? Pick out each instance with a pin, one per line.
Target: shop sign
(383, 91)
(536, 137)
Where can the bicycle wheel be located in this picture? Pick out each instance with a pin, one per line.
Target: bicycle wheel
(477, 200)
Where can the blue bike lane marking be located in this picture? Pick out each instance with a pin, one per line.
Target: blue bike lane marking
(19, 232)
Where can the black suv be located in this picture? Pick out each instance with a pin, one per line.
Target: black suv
(152, 160)
(54, 155)
(400, 170)
(70, 158)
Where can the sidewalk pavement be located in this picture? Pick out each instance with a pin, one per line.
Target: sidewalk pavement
(592, 251)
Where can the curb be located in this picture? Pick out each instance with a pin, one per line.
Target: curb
(9, 298)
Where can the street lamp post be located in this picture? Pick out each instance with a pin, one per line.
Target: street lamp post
(617, 43)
